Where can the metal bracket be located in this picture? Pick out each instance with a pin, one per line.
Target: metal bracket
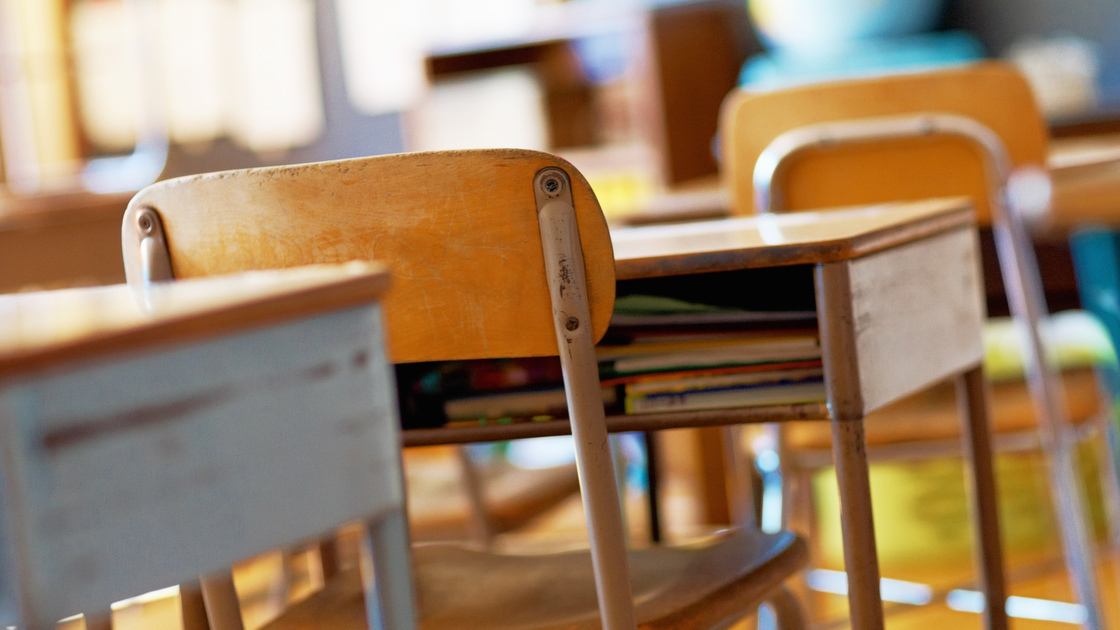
(563, 253)
(146, 257)
(571, 313)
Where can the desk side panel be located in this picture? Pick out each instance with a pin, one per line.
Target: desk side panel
(915, 316)
(141, 473)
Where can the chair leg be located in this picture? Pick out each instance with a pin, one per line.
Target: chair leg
(1019, 269)
(618, 461)
(849, 450)
(740, 488)
(223, 610)
(1066, 490)
(972, 398)
(386, 569)
(787, 609)
(653, 478)
(1107, 448)
(479, 523)
(193, 606)
(799, 513)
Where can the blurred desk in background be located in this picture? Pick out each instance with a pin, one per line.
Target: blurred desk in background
(60, 241)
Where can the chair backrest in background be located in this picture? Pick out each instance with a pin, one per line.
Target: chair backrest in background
(991, 93)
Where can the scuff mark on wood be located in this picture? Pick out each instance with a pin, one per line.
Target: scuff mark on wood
(77, 431)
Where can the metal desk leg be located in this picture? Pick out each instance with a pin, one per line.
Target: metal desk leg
(972, 398)
(861, 560)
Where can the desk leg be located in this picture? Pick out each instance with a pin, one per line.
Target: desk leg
(386, 568)
(849, 451)
(972, 397)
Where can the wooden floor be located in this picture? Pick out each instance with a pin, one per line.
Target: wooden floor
(1038, 580)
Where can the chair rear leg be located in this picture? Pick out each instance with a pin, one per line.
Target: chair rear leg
(653, 478)
(1019, 269)
(1107, 452)
(618, 459)
(787, 609)
(481, 527)
(740, 485)
(1105, 448)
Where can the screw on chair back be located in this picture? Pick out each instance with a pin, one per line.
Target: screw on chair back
(924, 165)
(486, 250)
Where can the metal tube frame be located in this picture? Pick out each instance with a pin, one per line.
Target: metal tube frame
(567, 282)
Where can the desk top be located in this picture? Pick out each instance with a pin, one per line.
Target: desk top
(784, 239)
(1086, 180)
(50, 328)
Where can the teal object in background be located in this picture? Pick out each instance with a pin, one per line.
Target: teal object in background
(912, 53)
(821, 26)
(820, 40)
(1096, 263)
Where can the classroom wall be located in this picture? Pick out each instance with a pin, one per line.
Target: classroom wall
(999, 23)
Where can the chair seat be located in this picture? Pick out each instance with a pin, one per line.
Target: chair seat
(438, 508)
(933, 414)
(695, 586)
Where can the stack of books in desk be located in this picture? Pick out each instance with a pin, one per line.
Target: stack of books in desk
(668, 355)
(660, 354)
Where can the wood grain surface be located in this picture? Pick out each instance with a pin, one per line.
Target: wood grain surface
(678, 588)
(459, 229)
(772, 240)
(133, 471)
(916, 319)
(1086, 180)
(40, 330)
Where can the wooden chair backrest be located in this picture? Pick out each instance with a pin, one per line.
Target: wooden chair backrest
(991, 93)
(459, 230)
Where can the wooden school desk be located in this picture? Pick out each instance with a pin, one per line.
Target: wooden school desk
(899, 301)
(148, 437)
